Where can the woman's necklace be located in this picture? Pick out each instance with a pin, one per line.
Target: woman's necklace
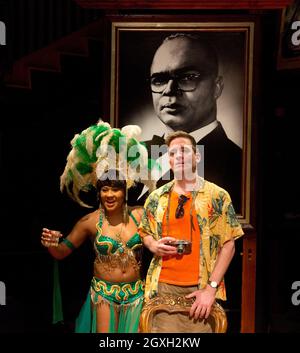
(118, 235)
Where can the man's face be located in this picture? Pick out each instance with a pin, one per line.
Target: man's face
(182, 158)
(178, 109)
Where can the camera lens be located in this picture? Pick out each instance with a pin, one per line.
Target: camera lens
(180, 248)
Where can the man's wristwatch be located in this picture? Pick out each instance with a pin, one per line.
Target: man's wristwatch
(213, 284)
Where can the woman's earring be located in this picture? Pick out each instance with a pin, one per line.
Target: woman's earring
(125, 213)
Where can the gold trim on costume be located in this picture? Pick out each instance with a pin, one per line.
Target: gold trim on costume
(105, 243)
(116, 289)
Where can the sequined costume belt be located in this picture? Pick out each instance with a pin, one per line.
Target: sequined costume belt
(120, 293)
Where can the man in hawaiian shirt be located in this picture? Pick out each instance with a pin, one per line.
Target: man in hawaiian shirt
(199, 214)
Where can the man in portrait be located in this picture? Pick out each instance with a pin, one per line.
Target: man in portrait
(185, 85)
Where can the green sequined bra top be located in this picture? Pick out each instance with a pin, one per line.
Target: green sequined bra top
(113, 253)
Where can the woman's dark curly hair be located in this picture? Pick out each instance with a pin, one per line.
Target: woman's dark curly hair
(112, 178)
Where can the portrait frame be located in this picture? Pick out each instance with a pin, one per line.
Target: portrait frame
(288, 52)
(142, 37)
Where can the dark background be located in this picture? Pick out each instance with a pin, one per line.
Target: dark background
(38, 122)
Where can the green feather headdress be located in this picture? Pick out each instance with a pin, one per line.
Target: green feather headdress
(100, 148)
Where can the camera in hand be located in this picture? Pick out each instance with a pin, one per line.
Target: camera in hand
(183, 246)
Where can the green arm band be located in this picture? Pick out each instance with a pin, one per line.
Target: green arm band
(68, 243)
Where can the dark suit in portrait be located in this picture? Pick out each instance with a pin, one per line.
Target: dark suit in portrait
(222, 161)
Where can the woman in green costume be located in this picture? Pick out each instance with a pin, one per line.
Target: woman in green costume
(115, 298)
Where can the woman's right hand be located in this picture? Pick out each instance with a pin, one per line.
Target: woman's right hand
(50, 238)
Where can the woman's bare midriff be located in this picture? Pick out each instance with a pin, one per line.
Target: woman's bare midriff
(116, 275)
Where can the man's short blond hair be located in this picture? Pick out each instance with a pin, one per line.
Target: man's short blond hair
(174, 135)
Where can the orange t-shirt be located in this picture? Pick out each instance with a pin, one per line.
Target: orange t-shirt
(181, 270)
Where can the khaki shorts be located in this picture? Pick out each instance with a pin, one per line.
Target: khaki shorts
(177, 322)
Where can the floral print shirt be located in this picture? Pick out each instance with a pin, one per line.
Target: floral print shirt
(217, 222)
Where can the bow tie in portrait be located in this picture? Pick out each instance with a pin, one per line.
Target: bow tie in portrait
(157, 140)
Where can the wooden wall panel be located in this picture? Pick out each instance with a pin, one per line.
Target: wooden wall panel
(249, 283)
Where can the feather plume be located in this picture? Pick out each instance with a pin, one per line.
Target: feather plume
(100, 148)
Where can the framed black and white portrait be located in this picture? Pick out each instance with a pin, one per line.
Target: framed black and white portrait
(134, 44)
